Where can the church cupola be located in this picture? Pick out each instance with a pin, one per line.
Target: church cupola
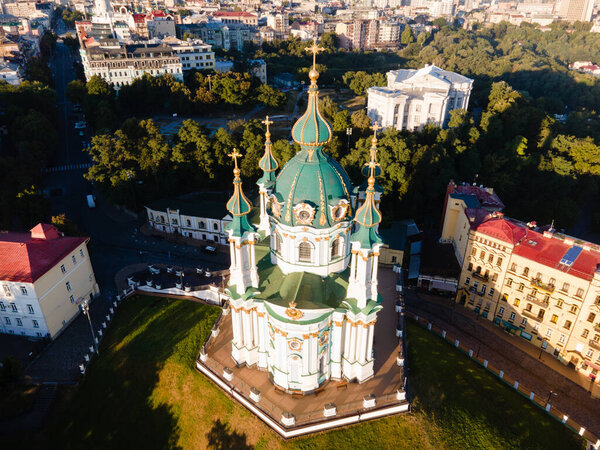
(366, 242)
(268, 164)
(242, 235)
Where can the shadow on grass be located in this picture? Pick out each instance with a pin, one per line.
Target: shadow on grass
(221, 437)
(116, 406)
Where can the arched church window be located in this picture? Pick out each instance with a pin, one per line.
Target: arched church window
(304, 252)
(277, 243)
(335, 248)
(215, 226)
(202, 224)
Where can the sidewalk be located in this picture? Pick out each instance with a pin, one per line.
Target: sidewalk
(548, 378)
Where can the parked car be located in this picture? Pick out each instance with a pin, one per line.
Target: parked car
(91, 201)
(79, 125)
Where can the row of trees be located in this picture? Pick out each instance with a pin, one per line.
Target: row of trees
(164, 94)
(29, 139)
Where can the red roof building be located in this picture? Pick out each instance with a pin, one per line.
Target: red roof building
(25, 257)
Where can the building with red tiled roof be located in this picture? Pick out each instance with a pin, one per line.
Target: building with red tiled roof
(43, 275)
(538, 284)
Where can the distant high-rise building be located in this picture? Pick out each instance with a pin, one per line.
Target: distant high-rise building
(573, 10)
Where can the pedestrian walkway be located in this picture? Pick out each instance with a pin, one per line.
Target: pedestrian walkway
(67, 168)
(547, 377)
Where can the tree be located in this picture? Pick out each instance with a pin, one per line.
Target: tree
(407, 36)
(270, 96)
(37, 70)
(65, 225)
(360, 120)
(76, 91)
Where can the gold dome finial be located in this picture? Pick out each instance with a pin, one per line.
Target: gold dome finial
(235, 155)
(267, 122)
(372, 164)
(314, 74)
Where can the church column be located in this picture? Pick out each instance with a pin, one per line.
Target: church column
(347, 340)
(374, 281)
(237, 331)
(314, 341)
(353, 266)
(336, 348)
(306, 356)
(352, 355)
(370, 340)
(232, 253)
(254, 328)
(361, 344)
(247, 328)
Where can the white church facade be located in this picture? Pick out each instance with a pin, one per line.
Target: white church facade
(414, 98)
(306, 311)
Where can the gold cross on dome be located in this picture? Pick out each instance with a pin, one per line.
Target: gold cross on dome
(375, 127)
(267, 122)
(235, 155)
(314, 48)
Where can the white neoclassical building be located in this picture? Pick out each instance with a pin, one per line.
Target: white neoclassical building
(414, 98)
(305, 312)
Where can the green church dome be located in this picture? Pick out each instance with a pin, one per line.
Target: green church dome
(312, 189)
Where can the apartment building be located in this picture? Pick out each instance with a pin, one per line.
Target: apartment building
(44, 277)
(194, 54)
(236, 17)
(536, 283)
(120, 64)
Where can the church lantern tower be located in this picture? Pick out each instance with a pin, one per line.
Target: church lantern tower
(362, 297)
(362, 189)
(242, 237)
(268, 165)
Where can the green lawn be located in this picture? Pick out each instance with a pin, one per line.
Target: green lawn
(143, 392)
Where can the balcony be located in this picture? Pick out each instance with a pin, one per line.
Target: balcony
(533, 316)
(543, 286)
(594, 344)
(480, 276)
(537, 301)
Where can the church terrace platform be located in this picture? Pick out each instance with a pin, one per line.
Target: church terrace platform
(334, 405)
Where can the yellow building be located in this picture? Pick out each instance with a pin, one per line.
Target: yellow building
(44, 276)
(536, 283)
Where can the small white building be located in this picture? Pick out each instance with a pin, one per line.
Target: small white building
(10, 72)
(201, 216)
(414, 98)
(258, 68)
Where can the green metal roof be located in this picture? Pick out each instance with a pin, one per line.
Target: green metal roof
(312, 129)
(239, 205)
(315, 178)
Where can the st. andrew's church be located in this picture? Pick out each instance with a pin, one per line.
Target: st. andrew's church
(307, 313)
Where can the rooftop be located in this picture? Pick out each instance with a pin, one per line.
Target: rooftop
(25, 257)
(396, 234)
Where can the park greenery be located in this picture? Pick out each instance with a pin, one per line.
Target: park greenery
(146, 392)
(29, 140)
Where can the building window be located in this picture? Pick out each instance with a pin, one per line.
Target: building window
(335, 248)
(72, 299)
(81, 253)
(14, 307)
(473, 251)
(524, 321)
(565, 287)
(509, 282)
(579, 293)
(23, 290)
(548, 333)
(552, 281)
(467, 280)
(304, 252)
(68, 284)
(590, 353)
(585, 333)
(491, 292)
(202, 225)
(554, 318)
(528, 307)
(482, 254)
(483, 288)
(499, 262)
(74, 259)
(215, 226)
(591, 317)
(35, 324)
(491, 258)
(19, 322)
(470, 268)
(567, 325)
(560, 303)
(513, 267)
(2, 307)
(7, 292)
(521, 287)
(574, 309)
(517, 302)
(7, 321)
(62, 268)
(189, 223)
(30, 309)
(512, 316)
(526, 271)
(562, 338)
(541, 313)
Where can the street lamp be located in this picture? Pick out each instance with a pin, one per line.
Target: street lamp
(85, 307)
(348, 133)
(542, 347)
(552, 393)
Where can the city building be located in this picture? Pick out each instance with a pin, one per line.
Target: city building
(44, 276)
(574, 10)
(258, 68)
(299, 313)
(280, 23)
(194, 54)
(536, 283)
(201, 217)
(230, 17)
(218, 34)
(10, 72)
(120, 64)
(414, 98)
